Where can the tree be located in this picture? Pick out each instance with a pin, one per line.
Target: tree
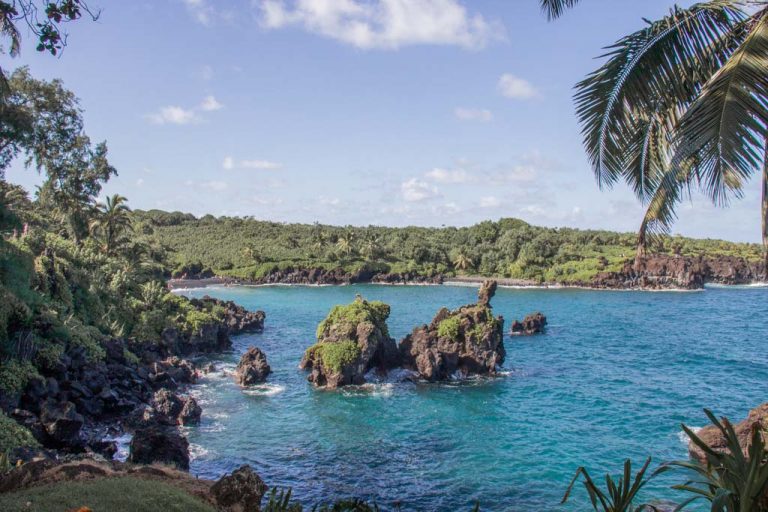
(111, 221)
(371, 246)
(462, 261)
(680, 103)
(345, 243)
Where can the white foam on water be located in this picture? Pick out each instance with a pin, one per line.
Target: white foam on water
(684, 437)
(371, 389)
(196, 451)
(761, 284)
(123, 442)
(264, 390)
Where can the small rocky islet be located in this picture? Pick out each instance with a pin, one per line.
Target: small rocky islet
(354, 340)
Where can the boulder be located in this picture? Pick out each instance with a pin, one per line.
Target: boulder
(466, 341)
(62, 422)
(352, 340)
(191, 412)
(531, 324)
(714, 438)
(159, 444)
(168, 408)
(252, 368)
(241, 490)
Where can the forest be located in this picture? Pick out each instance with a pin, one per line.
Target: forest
(246, 248)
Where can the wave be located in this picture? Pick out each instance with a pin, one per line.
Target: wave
(264, 390)
(376, 390)
(749, 286)
(123, 442)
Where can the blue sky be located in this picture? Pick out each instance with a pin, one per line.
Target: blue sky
(394, 112)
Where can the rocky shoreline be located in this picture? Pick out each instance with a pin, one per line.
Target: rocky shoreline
(656, 272)
(78, 404)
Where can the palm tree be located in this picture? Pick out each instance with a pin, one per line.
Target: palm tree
(461, 261)
(371, 246)
(682, 102)
(111, 220)
(345, 243)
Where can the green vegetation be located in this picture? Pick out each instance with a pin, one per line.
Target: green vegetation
(249, 249)
(449, 328)
(682, 102)
(13, 435)
(336, 355)
(345, 318)
(120, 494)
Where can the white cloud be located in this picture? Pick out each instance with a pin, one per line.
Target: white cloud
(140, 182)
(415, 189)
(473, 114)
(489, 202)
(517, 88)
(449, 176)
(383, 24)
(173, 115)
(200, 10)
(229, 163)
(210, 104)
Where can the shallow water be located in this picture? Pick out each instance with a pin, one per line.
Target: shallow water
(613, 377)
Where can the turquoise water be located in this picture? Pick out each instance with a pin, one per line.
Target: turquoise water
(614, 376)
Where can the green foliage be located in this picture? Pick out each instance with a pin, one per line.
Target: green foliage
(506, 248)
(731, 480)
(336, 355)
(345, 318)
(13, 435)
(14, 375)
(618, 496)
(449, 328)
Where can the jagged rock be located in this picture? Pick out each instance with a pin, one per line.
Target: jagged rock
(352, 340)
(191, 412)
(531, 324)
(252, 368)
(241, 490)
(62, 422)
(158, 444)
(715, 439)
(467, 341)
(167, 408)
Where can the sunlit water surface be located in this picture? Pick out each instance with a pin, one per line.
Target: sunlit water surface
(613, 377)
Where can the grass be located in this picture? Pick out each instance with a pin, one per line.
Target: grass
(121, 494)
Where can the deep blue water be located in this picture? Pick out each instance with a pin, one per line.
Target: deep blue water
(613, 377)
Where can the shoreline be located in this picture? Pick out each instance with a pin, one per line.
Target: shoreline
(178, 285)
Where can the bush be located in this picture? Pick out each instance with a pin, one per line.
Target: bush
(336, 355)
(15, 374)
(13, 435)
(449, 328)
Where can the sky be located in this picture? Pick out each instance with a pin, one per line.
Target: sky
(385, 112)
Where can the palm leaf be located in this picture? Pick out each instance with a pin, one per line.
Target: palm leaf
(556, 8)
(725, 128)
(657, 70)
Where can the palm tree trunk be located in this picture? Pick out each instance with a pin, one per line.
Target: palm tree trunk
(765, 213)
(642, 242)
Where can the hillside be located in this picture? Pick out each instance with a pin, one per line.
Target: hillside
(249, 249)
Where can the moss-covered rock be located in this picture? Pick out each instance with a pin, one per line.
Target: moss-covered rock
(352, 340)
(466, 341)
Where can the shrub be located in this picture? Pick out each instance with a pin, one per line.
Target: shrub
(13, 435)
(336, 355)
(449, 328)
(15, 374)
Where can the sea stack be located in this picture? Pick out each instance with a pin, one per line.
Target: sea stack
(352, 340)
(464, 342)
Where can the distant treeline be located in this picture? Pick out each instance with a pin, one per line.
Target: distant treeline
(250, 249)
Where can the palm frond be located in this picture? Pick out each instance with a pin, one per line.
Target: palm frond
(555, 8)
(725, 128)
(657, 70)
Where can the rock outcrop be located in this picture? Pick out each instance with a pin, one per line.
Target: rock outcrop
(159, 444)
(531, 324)
(168, 408)
(466, 341)
(241, 490)
(351, 341)
(662, 271)
(252, 368)
(715, 439)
